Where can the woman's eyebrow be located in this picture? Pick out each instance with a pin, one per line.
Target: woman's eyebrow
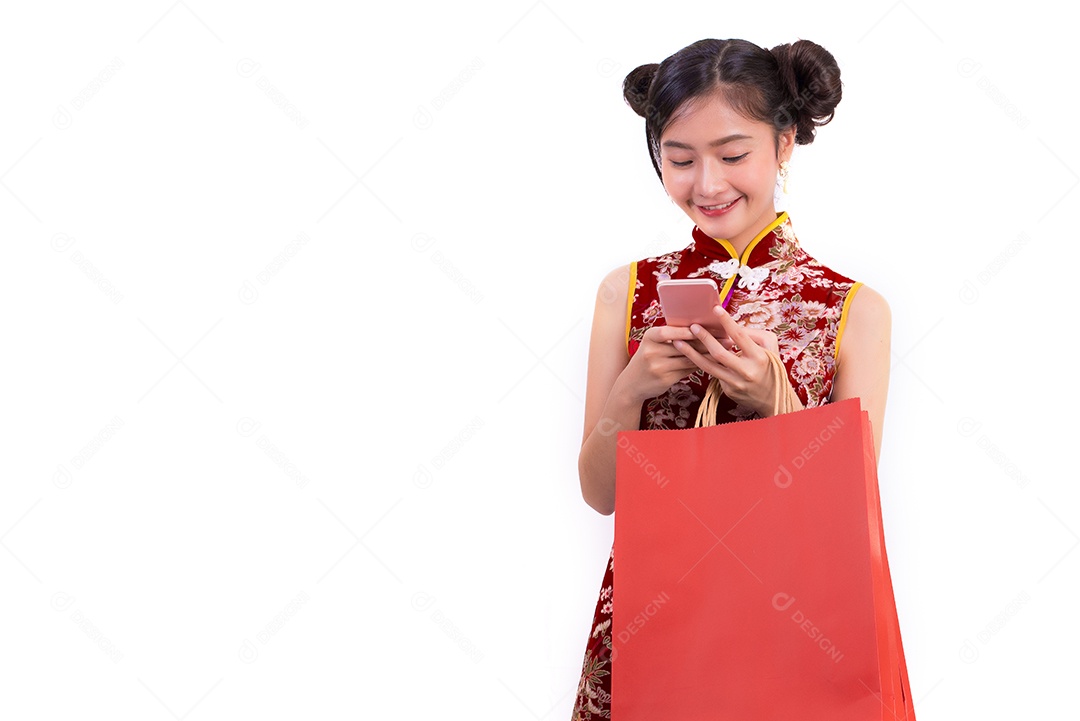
(713, 144)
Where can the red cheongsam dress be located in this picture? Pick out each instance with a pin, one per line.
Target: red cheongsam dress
(773, 285)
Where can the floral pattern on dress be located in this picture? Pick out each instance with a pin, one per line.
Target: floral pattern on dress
(594, 689)
(800, 300)
(673, 408)
(666, 265)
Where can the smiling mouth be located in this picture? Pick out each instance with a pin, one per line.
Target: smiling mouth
(722, 206)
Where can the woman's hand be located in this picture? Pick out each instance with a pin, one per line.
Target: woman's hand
(657, 364)
(739, 362)
(618, 384)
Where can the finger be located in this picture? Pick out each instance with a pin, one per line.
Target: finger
(700, 346)
(714, 347)
(668, 333)
(676, 367)
(735, 331)
(764, 338)
(669, 356)
(705, 362)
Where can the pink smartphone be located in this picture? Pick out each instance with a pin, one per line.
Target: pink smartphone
(690, 300)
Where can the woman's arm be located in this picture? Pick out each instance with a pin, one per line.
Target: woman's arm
(617, 385)
(862, 366)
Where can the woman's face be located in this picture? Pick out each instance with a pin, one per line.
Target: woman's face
(720, 168)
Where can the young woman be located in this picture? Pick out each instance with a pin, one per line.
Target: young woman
(721, 120)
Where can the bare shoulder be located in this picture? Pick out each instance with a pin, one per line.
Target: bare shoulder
(869, 306)
(867, 327)
(615, 286)
(607, 345)
(612, 307)
(863, 358)
(869, 321)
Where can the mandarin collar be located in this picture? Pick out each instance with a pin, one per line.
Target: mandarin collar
(756, 252)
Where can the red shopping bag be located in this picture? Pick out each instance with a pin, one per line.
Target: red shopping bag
(751, 579)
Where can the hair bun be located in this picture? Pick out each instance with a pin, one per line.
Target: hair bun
(810, 78)
(636, 87)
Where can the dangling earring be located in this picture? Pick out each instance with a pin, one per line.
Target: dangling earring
(784, 168)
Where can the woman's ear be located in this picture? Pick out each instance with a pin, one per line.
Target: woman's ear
(785, 144)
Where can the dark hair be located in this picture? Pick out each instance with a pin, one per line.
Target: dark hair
(795, 84)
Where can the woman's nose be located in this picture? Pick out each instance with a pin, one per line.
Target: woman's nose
(713, 178)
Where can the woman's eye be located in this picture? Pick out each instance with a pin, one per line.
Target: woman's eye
(735, 159)
(680, 164)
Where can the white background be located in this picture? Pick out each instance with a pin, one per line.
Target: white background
(295, 311)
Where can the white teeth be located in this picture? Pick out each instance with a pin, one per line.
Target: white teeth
(717, 207)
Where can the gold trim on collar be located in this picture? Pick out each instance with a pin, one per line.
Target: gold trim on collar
(780, 218)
